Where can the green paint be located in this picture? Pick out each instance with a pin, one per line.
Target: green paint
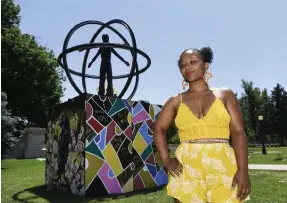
(93, 149)
(147, 152)
(117, 105)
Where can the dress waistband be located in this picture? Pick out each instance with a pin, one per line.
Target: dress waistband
(207, 141)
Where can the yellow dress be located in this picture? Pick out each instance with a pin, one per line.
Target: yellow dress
(208, 168)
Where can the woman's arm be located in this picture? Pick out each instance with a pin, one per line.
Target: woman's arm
(239, 138)
(162, 124)
(240, 143)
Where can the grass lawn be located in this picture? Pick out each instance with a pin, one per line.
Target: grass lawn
(22, 181)
(275, 155)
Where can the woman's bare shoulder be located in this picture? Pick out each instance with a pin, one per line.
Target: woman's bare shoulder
(225, 94)
(174, 100)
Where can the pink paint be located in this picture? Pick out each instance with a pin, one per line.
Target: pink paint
(141, 116)
(112, 185)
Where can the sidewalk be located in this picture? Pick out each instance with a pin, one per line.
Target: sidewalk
(267, 167)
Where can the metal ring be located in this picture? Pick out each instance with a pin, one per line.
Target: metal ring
(105, 45)
(133, 49)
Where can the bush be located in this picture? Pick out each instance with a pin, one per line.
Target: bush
(9, 130)
(174, 140)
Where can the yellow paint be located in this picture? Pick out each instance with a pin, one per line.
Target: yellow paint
(158, 159)
(93, 165)
(151, 112)
(147, 179)
(130, 118)
(129, 186)
(112, 158)
(118, 130)
(139, 144)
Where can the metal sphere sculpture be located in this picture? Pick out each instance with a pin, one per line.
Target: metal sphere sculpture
(62, 59)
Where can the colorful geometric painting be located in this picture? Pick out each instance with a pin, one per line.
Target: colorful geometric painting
(101, 146)
(120, 153)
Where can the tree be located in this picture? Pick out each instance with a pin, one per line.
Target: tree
(243, 100)
(279, 101)
(30, 76)
(10, 17)
(266, 110)
(252, 103)
(8, 127)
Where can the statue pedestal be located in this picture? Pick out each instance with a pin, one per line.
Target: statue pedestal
(103, 146)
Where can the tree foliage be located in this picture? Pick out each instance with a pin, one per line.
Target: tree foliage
(10, 17)
(279, 114)
(273, 108)
(30, 76)
(8, 127)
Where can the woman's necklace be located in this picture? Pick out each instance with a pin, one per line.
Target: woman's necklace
(197, 96)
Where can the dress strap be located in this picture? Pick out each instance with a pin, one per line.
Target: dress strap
(180, 95)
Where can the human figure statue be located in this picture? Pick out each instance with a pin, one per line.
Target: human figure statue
(106, 67)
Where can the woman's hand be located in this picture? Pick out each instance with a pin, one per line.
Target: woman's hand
(174, 167)
(241, 179)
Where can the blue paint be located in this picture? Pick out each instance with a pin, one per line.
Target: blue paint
(137, 108)
(161, 178)
(111, 173)
(152, 170)
(102, 142)
(144, 132)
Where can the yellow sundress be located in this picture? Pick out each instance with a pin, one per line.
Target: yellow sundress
(208, 168)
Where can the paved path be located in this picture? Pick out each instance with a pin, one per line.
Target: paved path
(268, 167)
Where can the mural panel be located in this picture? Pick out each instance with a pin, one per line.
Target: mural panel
(65, 140)
(120, 152)
(98, 147)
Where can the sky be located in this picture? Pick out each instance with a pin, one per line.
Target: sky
(248, 39)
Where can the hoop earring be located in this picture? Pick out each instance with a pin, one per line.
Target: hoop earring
(206, 77)
(184, 84)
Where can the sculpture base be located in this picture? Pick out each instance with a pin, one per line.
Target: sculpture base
(101, 146)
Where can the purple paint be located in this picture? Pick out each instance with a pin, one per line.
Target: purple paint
(141, 116)
(111, 184)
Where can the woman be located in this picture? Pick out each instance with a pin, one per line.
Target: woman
(205, 169)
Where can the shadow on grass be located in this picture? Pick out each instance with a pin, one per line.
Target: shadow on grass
(56, 195)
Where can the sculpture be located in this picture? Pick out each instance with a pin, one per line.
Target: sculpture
(62, 59)
(106, 67)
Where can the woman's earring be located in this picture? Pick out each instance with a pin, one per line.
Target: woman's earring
(206, 77)
(184, 84)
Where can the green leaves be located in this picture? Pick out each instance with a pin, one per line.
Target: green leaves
(8, 127)
(273, 108)
(30, 75)
(10, 14)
